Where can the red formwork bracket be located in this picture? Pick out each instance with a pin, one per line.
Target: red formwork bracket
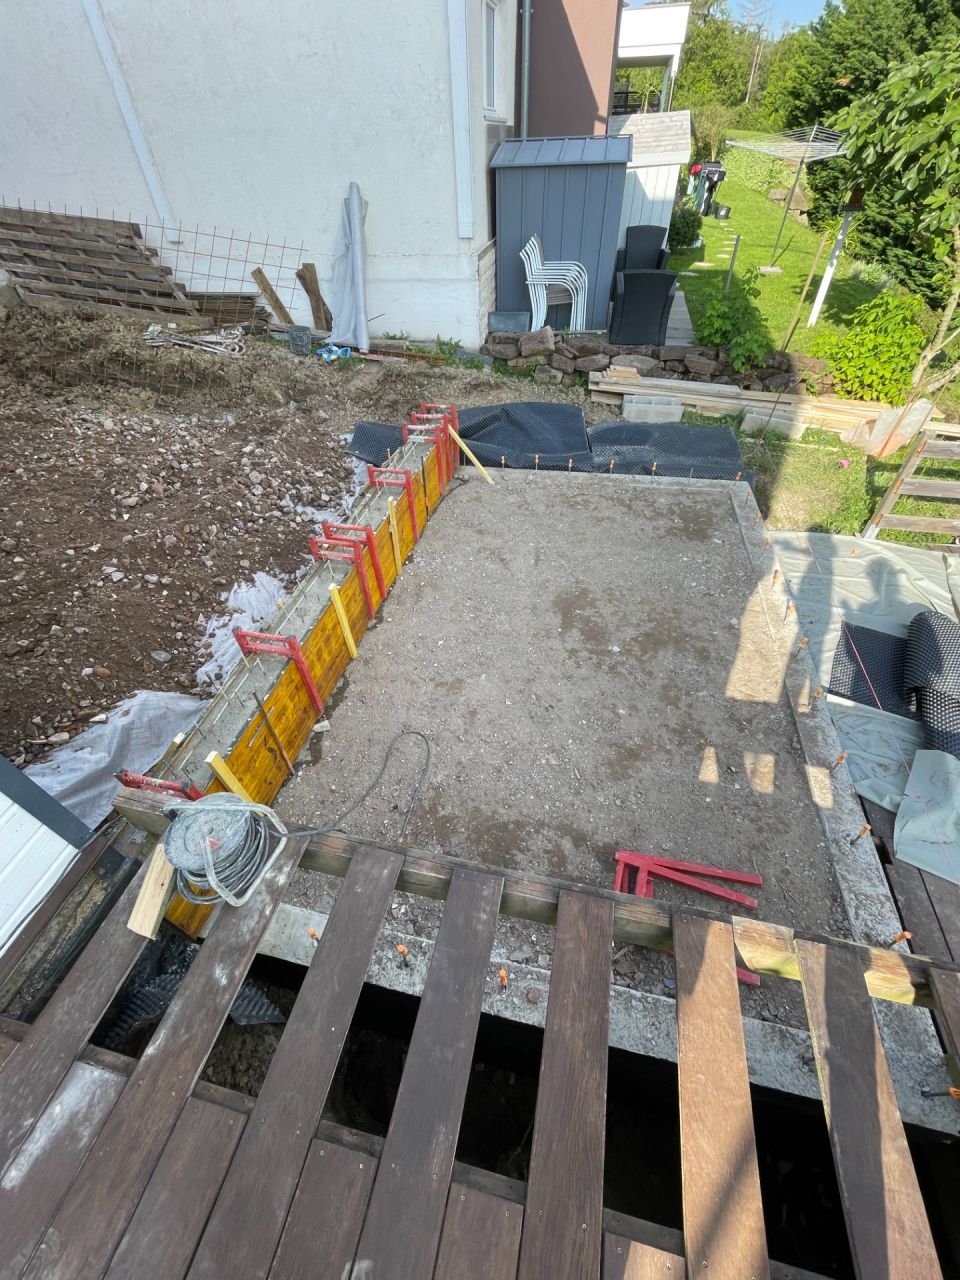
(449, 411)
(397, 478)
(649, 865)
(281, 647)
(162, 786)
(347, 551)
(355, 538)
(430, 429)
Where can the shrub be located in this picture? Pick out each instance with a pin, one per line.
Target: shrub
(875, 358)
(732, 320)
(685, 223)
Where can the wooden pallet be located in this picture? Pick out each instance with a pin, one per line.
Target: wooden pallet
(202, 1185)
(231, 308)
(939, 441)
(61, 259)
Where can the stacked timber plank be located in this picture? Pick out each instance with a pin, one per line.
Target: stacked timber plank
(201, 1182)
(54, 258)
(231, 308)
(720, 399)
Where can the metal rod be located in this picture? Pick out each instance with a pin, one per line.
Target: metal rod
(273, 733)
(525, 71)
(733, 259)
(793, 192)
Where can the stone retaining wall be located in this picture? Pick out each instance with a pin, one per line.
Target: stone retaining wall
(554, 358)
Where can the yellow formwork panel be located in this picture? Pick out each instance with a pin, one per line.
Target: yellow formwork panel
(255, 759)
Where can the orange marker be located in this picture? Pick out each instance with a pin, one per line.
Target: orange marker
(502, 977)
(314, 936)
(905, 936)
(402, 953)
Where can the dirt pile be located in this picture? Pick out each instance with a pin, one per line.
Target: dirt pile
(137, 485)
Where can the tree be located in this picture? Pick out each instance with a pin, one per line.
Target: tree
(905, 137)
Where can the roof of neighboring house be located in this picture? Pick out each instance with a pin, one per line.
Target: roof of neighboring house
(528, 152)
(658, 137)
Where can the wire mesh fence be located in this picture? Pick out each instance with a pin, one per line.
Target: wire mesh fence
(113, 298)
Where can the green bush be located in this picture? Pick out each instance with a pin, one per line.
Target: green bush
(875, 357)
(732, 320)
(756, 171)
(685, 225)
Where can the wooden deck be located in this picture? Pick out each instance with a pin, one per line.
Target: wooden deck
(122, 1168)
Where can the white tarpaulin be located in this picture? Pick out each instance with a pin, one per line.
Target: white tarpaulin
(80, 774)
(349, 295)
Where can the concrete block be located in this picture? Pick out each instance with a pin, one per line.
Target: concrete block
(784, 424)
(652, 409)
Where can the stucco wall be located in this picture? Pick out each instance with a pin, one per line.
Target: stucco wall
(257, 118)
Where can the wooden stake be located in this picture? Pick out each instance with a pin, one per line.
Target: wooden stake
(307, 276)
(395, 534)
(221, 770)
(473, 458)
(268, 291)
(344, 621)
(152, 899)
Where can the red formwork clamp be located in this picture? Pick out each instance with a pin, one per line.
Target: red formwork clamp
(162, 786)
(280, 647)
(429, 429)
(450, 412)
(397, 478)
(649, 865)
(361, 535)
(347, 552)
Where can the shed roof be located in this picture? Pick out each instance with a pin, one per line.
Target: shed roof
(664, 133)
(531, 152)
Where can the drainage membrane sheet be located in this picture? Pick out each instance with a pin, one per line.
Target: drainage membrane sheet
(554, 437)
(883, 624)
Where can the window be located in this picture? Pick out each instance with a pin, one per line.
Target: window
(490, 56)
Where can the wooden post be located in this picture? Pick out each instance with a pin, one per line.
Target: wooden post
(268, 291)
(154, 892)
(221, 770)
(344, 621)
(307, 276)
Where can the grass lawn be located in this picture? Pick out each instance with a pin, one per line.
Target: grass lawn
(804, 484)
(756, 219)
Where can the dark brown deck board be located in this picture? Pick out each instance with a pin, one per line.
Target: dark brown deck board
(563, 1221)
(81, 1239)
(945, 896)
(946, 987)
(481, 1237)
(916, 911)
(320, 1237)
(34, 1071)
(162, 1235)
(722, 1212)
(401, 1232)
(250, 1211)
(886, 1222)
(624, 1259)
(38, 1177)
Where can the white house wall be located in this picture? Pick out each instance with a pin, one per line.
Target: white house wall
(256, 118)
(648, 196)
(32, 859)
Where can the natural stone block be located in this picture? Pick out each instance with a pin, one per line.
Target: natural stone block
(667, 354)
(564, 363)
(543, 373)
(642, 364)
(702, 367)
(591, 364)
(524, 362)
(501, 350)
(539, 343)
(587, 346)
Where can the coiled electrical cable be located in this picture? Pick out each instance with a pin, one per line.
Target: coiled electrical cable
(222, 846)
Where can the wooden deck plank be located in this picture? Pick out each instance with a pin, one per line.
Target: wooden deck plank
(916, 910)
(250, 1211)
(947, 989)
(81, 1239)
(322, 1229)
(34, 1071)
(945, 897)
(722, 1212)
(481, 1237)
(160, 1240)
(38, 1177)
(563, 1222)
(626, 1260)
(886, 1223)
(404, 1219)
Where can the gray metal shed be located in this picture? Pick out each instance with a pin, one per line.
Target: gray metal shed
(570, 192)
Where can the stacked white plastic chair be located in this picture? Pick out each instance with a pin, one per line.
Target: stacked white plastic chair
(554, 282)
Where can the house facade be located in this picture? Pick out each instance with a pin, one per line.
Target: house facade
(256, 117)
